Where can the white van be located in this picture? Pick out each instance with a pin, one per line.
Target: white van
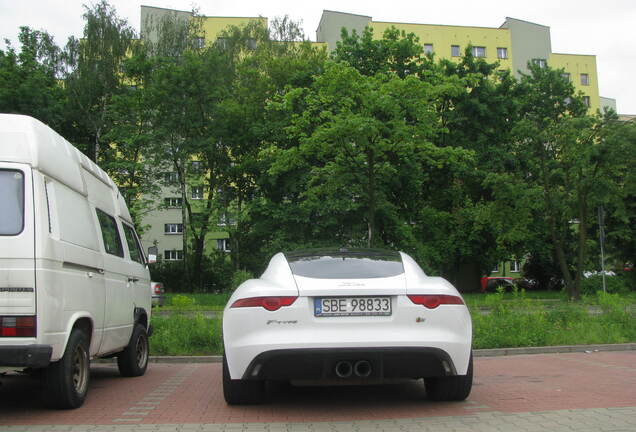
(73, 277)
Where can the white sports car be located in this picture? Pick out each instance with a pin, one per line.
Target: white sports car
(346, 315)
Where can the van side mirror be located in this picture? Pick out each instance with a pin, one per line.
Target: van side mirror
(152, 254)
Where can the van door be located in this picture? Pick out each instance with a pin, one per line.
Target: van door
(17, 248)
(118, 308)
(138, 273)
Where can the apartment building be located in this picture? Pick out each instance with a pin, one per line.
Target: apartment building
(164, 226)
(513, 45)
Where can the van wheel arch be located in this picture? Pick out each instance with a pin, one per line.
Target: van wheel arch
(141, 317)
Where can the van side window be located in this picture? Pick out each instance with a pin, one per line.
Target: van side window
(133, 244)
(110, 234)
(11, 202)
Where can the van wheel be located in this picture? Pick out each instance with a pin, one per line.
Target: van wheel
(452, 388)
(133, 361)
(241, 392)
(66, 380)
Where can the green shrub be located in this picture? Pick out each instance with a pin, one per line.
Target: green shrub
(180, 301)
(613, 284)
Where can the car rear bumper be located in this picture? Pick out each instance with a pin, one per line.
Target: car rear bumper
(321, 363)
(35, 356)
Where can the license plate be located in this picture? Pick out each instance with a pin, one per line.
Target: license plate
(352, 306)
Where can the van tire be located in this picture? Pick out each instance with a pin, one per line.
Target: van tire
(66, 380)
(133, 361)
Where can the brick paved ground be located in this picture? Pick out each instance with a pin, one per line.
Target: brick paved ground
(560, 392)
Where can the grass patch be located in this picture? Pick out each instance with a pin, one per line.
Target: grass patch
(180, 334)
(196, 302)
(527, 322)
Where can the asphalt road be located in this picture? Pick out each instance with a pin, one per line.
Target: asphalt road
(557, 392)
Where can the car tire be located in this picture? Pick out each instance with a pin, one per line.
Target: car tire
(133, 361)
(66, 380)
(241, 392)
(452, 388)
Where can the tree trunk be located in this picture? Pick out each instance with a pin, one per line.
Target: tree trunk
(371, 197)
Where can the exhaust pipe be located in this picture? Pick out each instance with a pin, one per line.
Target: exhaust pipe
(362, 368)
(344, 369)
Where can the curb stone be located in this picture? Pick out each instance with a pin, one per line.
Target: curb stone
(491, 352)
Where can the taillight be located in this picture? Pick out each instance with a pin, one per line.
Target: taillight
(269, 303)
(17, 326)
(157, 289)
(431, 301)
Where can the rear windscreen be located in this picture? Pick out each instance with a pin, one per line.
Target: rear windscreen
(11, 202)
(346, 265)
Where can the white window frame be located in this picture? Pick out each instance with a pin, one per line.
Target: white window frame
(495, 269)
(585, 81)
(587, 101)
(428, 48)
(566, 76)
(173, 228)
(479, 49)
(514, 266)
(173, 202)
(223, 244)
(459, 51)
(542, 63)
(196, 192)
(502, 53)
(173, 255)
(171, 177)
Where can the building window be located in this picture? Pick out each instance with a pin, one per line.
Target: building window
(173, 228)
(173, 255)
(199, 42)
(171, 177)
(197, 192)
(586, 101)
(223, 245)
(514, 266)
(455, 51)
(173, 202)
(502, 53)
(585, 79)
(542, 63)
(495, 269)
(251, 44)
(195, 166)
(565, 76)
(223, 43)
(479, 51)
(428, 48)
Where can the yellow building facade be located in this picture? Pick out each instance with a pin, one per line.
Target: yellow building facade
(514, 44)
(441, 39)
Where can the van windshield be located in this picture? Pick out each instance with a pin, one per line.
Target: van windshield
(12, 199)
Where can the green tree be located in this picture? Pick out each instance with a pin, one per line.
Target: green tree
(96, 74)
(29, 80)
(572, 159)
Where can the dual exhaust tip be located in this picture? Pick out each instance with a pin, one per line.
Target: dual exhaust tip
(361, 369)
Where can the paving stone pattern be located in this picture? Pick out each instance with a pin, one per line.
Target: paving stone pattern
(593, 391)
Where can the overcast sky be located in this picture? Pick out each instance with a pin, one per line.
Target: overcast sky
(605, 28)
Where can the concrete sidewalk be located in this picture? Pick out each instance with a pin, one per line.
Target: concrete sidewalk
(590, 420)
